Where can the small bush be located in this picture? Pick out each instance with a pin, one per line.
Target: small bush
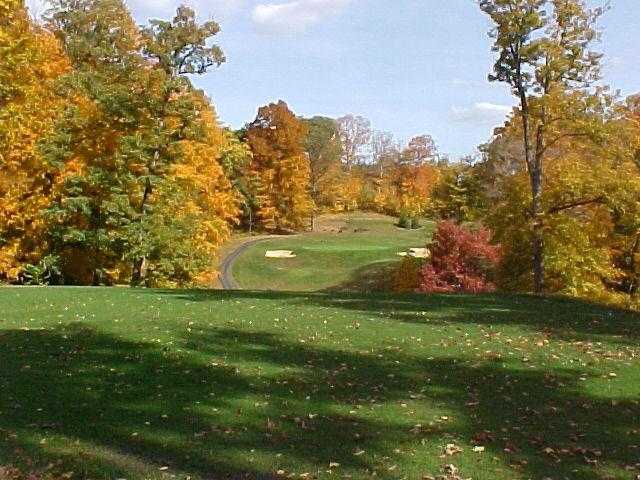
(462, 261)
(404, 221)
(406, 277)
(46, 272)
(409, 222)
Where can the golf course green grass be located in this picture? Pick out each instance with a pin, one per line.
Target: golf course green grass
(351, 253)
(147, 384)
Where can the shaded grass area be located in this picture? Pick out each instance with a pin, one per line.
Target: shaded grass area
(328, 260)
(119, 383)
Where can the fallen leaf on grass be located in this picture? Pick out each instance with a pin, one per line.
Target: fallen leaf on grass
(450, 469)
(452, 449)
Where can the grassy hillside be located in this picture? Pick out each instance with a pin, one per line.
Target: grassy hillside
(119, 383)
(349, 252)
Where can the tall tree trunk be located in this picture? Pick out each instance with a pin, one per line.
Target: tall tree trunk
(537, 241)
(633, 283)
(534, 168)
(537, 178)
(139, 273)
(314, 196)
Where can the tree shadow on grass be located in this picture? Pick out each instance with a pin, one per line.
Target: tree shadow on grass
(372, 278)
(235, 404)
(561, 317)
(138, 407)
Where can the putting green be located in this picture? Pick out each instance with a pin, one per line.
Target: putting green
(343, 249)
(348, 253)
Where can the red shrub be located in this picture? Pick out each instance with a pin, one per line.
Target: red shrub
(462, 261)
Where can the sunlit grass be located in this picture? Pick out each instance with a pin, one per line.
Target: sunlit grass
(119, 383)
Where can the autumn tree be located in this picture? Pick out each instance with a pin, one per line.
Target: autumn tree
(460, 192)
(385, 152)
(415, 189)
(421, 150)
(324, 148)
(627, 217)
(417, 176)
(403, 178)
(197, 194)
(236, 158)
(133, 116)
(355, 133)
(543, 49)
(183, 118)
(104, 92)
(590, 207)
(462, 261)
(277, 139)
(632, 113)
(31, 61)
(382, 170)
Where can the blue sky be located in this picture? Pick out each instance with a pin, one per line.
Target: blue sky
(410, 66)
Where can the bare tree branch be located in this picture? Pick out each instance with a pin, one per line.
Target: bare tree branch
(575, 204)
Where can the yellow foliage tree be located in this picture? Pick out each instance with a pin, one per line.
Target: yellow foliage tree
(590, 202)
(210, 199)
(30, 62)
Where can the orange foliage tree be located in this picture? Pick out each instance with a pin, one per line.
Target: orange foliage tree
(277, 140)
(415, 184)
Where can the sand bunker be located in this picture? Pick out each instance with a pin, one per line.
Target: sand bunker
(280, 254)
(416, 253)
(419, 252)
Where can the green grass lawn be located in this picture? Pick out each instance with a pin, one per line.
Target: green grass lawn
(352, 260)
(144, 384)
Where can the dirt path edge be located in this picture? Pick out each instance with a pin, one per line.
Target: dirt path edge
(227, 280)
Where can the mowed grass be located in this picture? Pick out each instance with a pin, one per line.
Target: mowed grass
(121, 383)
(354, 259)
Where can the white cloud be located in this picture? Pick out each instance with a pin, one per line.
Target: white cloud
(294, 16)
(481, 113)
